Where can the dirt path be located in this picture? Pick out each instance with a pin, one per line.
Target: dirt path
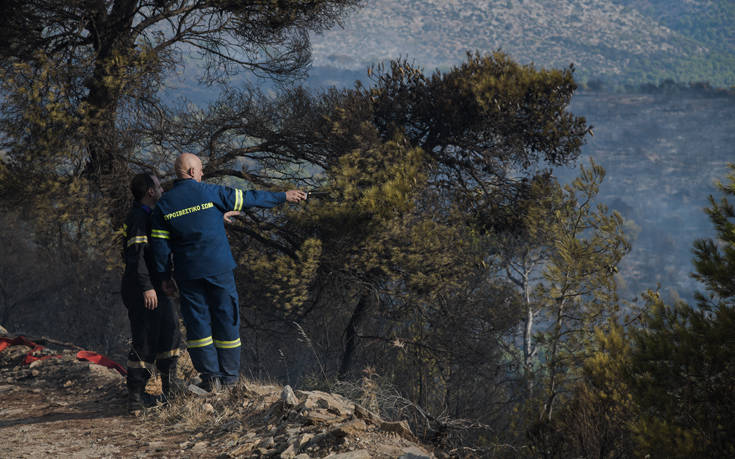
(62, 407)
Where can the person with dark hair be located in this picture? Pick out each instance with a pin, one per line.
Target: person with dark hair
(188, 222)
(154, 320)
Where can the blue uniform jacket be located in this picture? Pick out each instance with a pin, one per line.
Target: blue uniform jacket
(137, 252)
(188, 222)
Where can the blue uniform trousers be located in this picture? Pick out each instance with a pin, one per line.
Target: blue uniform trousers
(211, 314)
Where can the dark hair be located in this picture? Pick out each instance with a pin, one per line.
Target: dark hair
(140, 185)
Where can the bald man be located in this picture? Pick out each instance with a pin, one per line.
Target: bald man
(188, 222)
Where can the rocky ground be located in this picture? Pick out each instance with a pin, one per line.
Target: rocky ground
(62, 406)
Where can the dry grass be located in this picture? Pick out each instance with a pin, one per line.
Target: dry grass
(213, 411)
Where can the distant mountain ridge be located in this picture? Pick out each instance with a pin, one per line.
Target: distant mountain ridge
(616, 41)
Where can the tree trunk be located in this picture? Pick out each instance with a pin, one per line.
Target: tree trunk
(351, 334)
(548, 406)
(527, 334)
(113, 39)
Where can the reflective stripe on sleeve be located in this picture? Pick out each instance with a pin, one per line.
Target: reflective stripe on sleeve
(160, 234)
(137, 240)
(194, 343)
(238, 200)
(227, 344)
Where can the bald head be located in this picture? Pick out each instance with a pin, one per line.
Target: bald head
(188, 165)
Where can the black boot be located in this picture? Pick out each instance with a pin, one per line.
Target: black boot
(136, 381)
(171, 385)
(135, 402)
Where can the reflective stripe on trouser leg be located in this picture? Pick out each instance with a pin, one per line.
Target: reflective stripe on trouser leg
(228, 353)
(139, 371)
(197, 320)
(223, 304)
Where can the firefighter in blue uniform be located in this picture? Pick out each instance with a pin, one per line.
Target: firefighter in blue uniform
(154, 320)
(188, 222)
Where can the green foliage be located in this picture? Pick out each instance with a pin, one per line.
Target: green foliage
(683, 362)
(667, 381)
(714, 260)
(681, 372)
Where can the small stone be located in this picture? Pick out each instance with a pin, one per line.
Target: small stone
(303, 440)
(208, 408)
(320, 416)
(357, 454)
(289, 453)
(68, 383)
(200, 445)
(36, 363)
(35, 372)
(196, 390)
(267, 442)
(288, 397)
(353, 427)
(414, 452)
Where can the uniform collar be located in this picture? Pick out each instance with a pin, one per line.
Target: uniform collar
(147, 209)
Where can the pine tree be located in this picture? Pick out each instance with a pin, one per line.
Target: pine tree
(683, 360)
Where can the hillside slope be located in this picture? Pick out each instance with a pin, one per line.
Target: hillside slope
(605, 39)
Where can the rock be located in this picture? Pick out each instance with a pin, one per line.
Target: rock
(268, 442)
(367, 415)
(35, 372)
(357, 454)
(103, 372)
(36, 363)
(289, 453)
(261, 390)
(288, 397)
(242, 450)
(317, 416)
(333, 403)
(199, 446)
(414, 452)
(208, 408)
(3, 331)
(196, 390)
(303, 440)
(353, 428)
